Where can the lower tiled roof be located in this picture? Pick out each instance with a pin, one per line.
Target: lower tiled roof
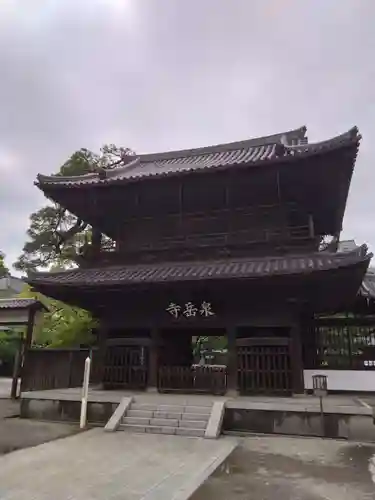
(17, 303)
(207, 270)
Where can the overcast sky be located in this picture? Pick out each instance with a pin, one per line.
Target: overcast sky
(155, 75)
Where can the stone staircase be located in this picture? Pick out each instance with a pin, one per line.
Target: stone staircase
(159, 418)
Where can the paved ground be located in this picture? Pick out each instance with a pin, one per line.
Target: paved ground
(331, 403)
(282, 468)
(97, 465)
(5, 386)
(16, 433)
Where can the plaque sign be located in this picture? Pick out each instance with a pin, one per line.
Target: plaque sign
(190, 310)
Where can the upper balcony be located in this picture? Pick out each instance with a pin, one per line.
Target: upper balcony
(276, 241)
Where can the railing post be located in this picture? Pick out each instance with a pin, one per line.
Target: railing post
(70, 365)
(85, 393)
(153, 361)
(232, 370)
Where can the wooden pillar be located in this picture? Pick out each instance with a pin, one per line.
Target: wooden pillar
(96, 241)
(27, 346)
(232, 378)
(296, 360)
(17, 367)
(99, 358)
(153, 361)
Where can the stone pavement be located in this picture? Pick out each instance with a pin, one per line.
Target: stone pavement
(96, 465)
(5, 387)
(285, 468)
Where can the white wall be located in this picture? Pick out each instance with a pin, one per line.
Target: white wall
(9, 316)
(343, 380)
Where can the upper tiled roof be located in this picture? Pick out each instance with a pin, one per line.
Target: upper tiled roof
(208, 270)
(17, 303)
(278, 147)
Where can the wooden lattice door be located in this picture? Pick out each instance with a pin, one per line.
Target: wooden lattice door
(264, 366)
(126, 367)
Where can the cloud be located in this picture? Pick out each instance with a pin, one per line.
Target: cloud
(174, 74)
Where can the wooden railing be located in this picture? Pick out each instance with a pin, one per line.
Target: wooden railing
(55, 368)
(209, 379)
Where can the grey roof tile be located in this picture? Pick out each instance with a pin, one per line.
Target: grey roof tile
(288, 145)
(18, 303)
(205, 270)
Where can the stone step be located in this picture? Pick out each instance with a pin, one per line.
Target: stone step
(165, 422)
(205, 410)
(163, 414)
(182, 416)
(157, 429)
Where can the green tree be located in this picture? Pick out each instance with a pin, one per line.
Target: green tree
(62, 325)
(55, 236)
(3, 269)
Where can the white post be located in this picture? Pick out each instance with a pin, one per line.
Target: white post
(85, 393)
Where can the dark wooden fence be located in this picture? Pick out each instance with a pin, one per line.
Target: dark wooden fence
(340, 344)
(264, 366)
(209, 379)
(55, 368)
(126, 367)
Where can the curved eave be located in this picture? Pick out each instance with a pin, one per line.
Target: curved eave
(16, 303)
(270, 153)
(173, 272)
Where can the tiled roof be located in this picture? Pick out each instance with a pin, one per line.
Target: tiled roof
(279, 147)
(208, 270)
(17, 303)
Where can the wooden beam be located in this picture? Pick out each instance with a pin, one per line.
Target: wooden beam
(153, 361)
(311, 227)
(27, 346)
(296, 360)
(17, 366)
(99, 357)
(232, 385)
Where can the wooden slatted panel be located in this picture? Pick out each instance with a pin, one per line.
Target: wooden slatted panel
(264, 366)
(126, 367)
(340, 344)
(198, 379)
(55, 368)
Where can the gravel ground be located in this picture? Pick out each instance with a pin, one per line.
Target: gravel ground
(17, 433)
(283, 468)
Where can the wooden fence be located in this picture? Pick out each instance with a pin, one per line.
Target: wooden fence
(209, 379)
(340, 344)
(55, 368)
(264, 366)
(125, 367)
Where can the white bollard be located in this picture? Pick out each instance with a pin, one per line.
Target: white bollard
(85, 393)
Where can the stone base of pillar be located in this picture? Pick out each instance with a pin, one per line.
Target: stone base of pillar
(232, 393)
(152, 390)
